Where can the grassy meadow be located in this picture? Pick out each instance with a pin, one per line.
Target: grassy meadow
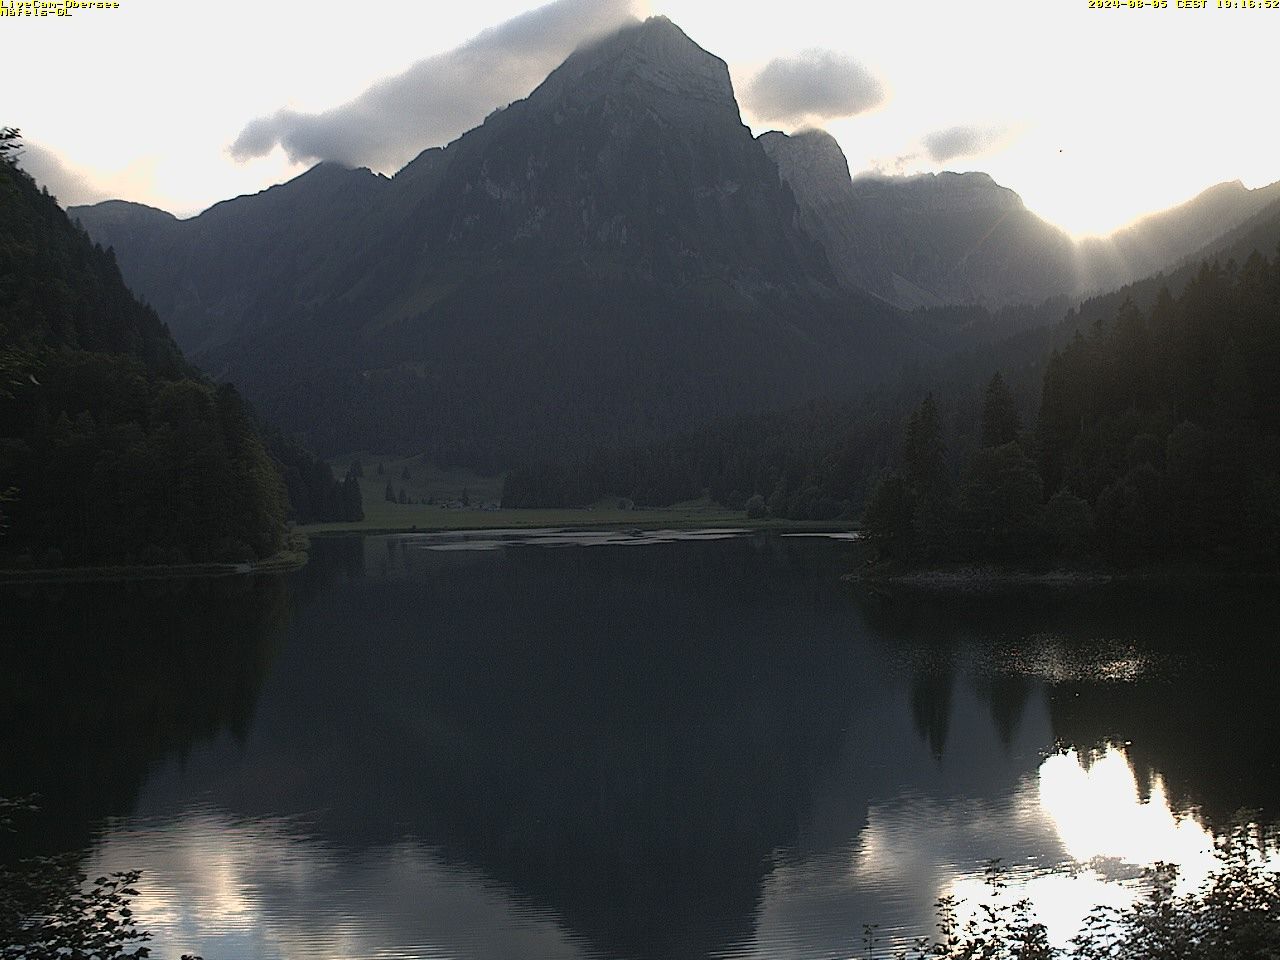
(436, 503)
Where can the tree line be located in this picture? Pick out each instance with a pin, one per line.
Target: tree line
(1149, 433)
(113, 449)
(1157, 442)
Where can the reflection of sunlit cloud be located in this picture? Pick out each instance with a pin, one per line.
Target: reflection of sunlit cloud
(1075, 835)
(232, 889)
(909, 851)
(1110, 835)
(1098, 812)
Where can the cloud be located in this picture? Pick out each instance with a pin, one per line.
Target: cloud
(69, 185)
(899, 166)
(813, 85)
(972, 141)
(439, 98)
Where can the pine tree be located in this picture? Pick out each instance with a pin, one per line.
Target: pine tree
(887, 522)
(1000, 421)
(352, 502)
(928, 486)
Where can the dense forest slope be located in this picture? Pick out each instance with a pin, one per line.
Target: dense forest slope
(112, 448)
(1157, 443)
(1142, 428)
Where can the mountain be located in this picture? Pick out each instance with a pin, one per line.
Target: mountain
(242, 260)
(1162, 240)
(112, 449)
(924, 240)
(961, 238)
(612, 257)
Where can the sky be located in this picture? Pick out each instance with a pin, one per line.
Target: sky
(1094, 116)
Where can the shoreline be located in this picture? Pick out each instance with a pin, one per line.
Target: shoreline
(579, 520)
(293, 557)
(983, 579)
(296, 555)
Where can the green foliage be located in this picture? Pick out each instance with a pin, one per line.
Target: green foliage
(1159, 434)
(49, 910)
(1233, 915)
(887, 522)
(7, 495)
(924, 463)
(1167, 422)
(112, 450)
(1001, 511)
(1000, 420)
(1068, 526)
(58, 290)
(1157, 443)
(315, 496)
(352, 499)
(910, 512)
(10, 144)
(114, 466)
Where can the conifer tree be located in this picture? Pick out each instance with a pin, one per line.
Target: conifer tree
(1000, 421)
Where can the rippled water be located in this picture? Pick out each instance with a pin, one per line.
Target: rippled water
(620, 745)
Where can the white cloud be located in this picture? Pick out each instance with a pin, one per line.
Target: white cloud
(69, 185)
(439, 98)
(72, 184)
(813, 85)
(965, 141)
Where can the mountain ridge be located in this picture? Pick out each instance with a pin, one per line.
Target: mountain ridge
(932, 239)
(612, 255)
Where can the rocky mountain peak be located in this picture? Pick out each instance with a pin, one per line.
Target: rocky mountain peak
(811, 162)
(653, 59)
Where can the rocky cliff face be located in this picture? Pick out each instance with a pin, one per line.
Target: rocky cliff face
(612, 257)
(812, 164)
(951, 238)
(924, 240)
(633, 151)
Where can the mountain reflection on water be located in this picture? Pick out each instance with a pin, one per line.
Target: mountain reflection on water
(653, 746)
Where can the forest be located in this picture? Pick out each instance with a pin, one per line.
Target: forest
(113, 449)
(1155, 439)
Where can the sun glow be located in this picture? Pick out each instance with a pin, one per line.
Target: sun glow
(1096, 140)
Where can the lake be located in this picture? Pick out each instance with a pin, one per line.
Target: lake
(695, 745)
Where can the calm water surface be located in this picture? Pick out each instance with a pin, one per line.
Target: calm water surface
(604, 746)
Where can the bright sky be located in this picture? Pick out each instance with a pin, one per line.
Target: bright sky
(1094, 116)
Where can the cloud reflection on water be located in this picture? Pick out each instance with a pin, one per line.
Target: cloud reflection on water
(1077, 833)
(234, 889)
